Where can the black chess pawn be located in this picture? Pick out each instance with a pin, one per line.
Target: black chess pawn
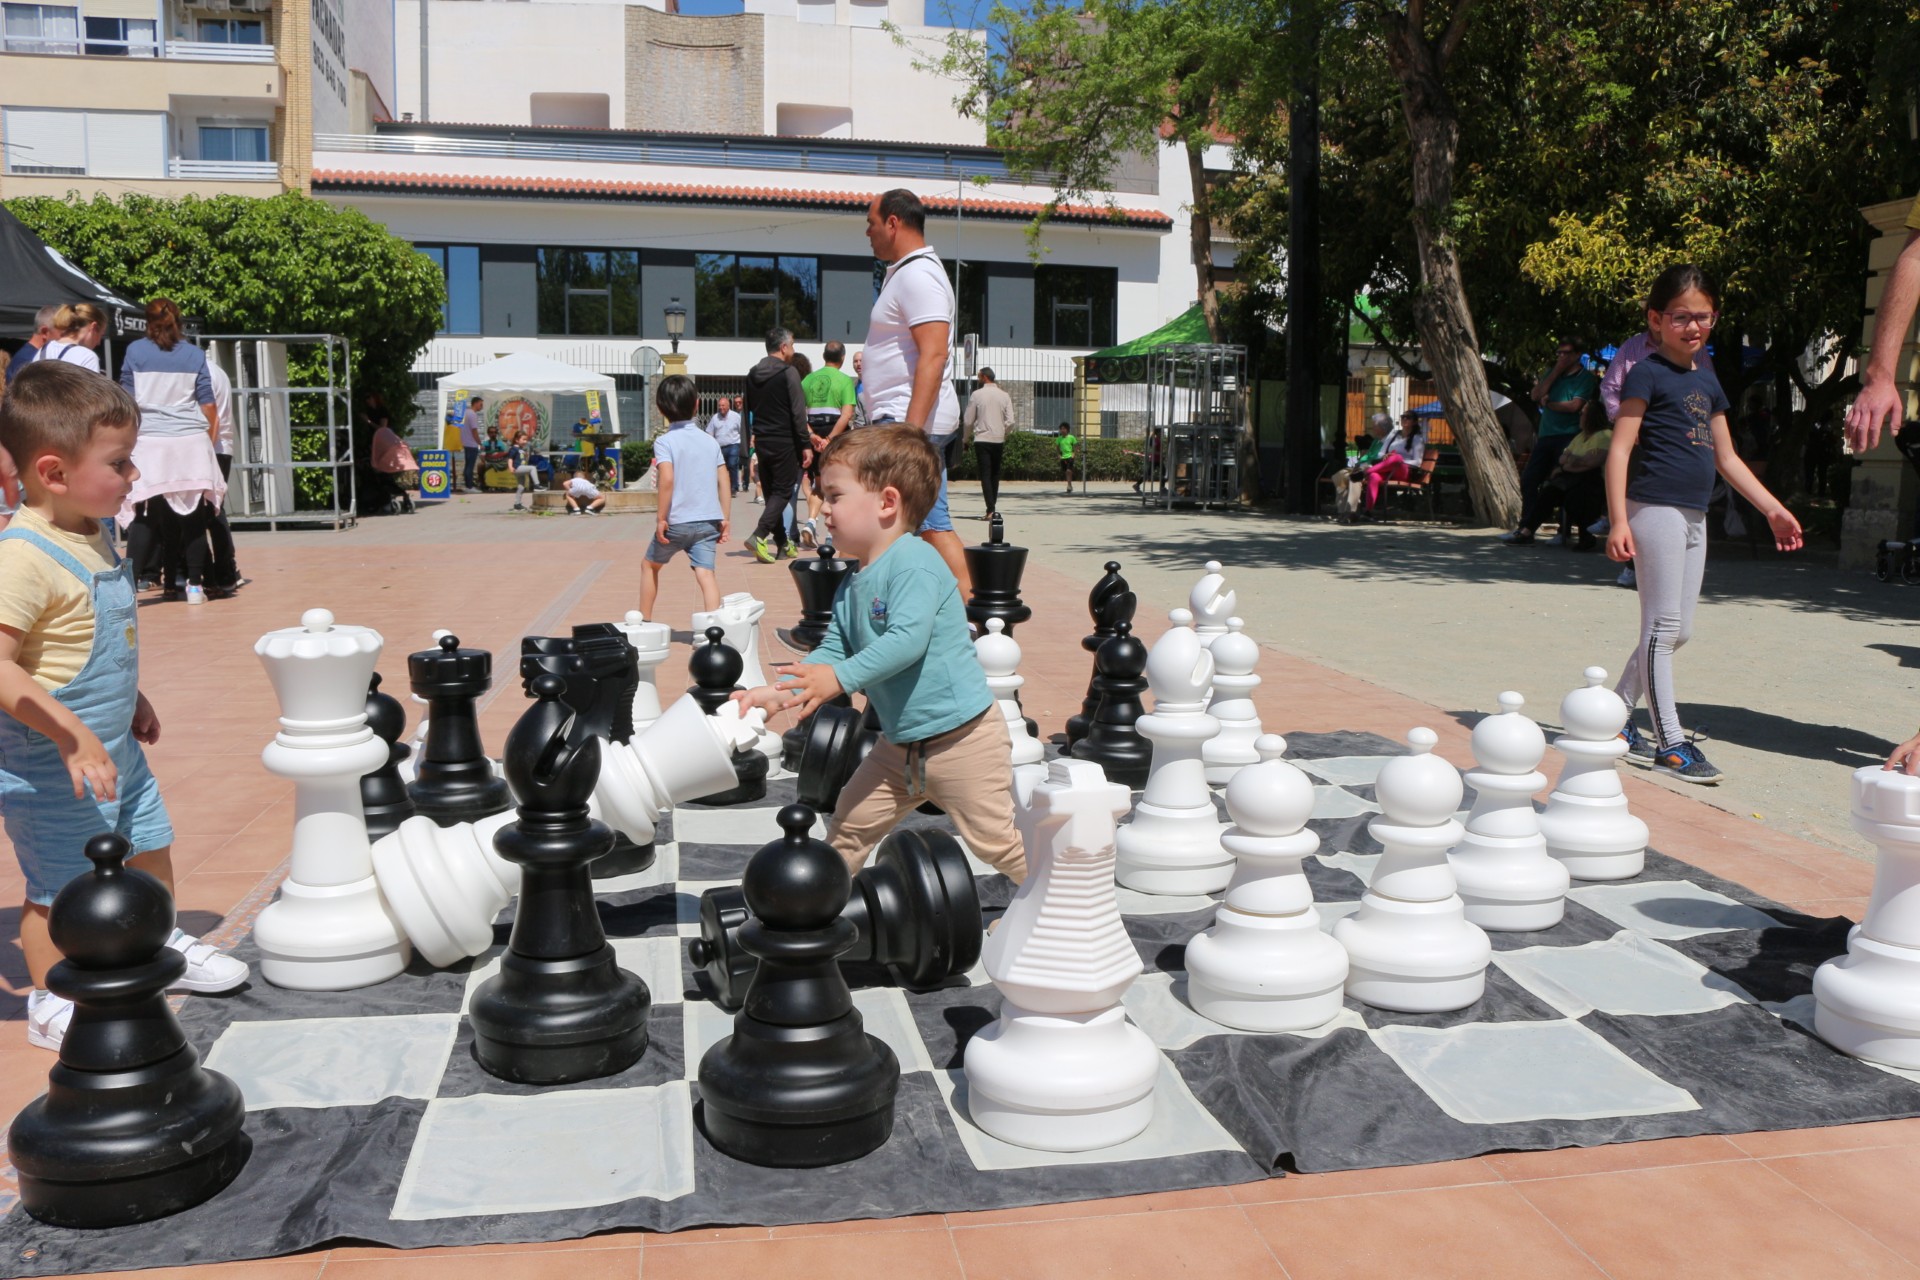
(838, 739)
(818, 581)
(131, 1127)
(799, 1083)
(914, 906)
(383, 794)
(1108, 604)
(715, 668)
(561, 1008)
(1112, 742)
(995, 566)
(453, 780)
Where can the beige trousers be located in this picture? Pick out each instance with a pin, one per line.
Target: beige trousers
(966, 771)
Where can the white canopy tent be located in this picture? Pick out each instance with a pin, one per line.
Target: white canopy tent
(526, 374)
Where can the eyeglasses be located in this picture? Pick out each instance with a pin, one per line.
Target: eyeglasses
(1681, 319)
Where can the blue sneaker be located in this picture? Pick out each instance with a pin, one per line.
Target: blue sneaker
(1685, 762)
(1639, 750)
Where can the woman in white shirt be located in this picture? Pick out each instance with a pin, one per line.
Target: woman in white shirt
(1406, 449)
(78, 328)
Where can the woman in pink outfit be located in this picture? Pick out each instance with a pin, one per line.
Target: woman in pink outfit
(1406, 448)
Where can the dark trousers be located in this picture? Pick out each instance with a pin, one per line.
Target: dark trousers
(736, 470)
(473, 460)
(1581, 497)
(160, 535)
(1540, 465)
(779, 474)
(226, 567)
(989, 457)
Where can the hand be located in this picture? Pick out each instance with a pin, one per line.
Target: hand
(87, 761)
(725, 527)
(1620, 542)
(805, 685)
(819, 443)
(1878, 405)
(9, 479)
(1906, 756)
(766, 698)
(806, 459)
(1786, 530)
(146, 721)
(660, 532)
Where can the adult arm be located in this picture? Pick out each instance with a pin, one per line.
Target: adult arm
(203, 392)
(797, 411)
(1786, 529)
(128, 367)
(1879, 401)
(1616, 377)
(969, 419)
(725, 482)
(1574, 405)
(930, 339)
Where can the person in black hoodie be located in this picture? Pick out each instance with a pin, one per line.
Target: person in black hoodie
(777, 408)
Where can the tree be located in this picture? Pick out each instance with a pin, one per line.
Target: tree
(288, 264)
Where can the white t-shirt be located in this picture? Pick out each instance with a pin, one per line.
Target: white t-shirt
(915, 292)
(222, 405)
(71, 353)
(581, 487)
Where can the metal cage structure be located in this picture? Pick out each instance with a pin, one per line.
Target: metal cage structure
(1197, 398)
(269, 412)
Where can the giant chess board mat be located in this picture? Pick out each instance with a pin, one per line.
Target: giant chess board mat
(1672, 1004)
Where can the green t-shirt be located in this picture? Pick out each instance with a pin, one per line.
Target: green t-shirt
(827, 388)
(1066, 448)
(1579, 384)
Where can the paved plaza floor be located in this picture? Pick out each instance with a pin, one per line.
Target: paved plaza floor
(1800, 673)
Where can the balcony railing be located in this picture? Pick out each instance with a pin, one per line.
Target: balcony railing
(212, 51)
(224, 170)
(180, 50)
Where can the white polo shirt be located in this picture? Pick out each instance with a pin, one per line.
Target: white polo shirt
(915, 291)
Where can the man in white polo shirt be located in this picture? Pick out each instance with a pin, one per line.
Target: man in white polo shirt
(904, 370)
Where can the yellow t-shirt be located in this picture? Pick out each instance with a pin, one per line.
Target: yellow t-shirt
(1913, 215)
(1582, 446)
(42, 599)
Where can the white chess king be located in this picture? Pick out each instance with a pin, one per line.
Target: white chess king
(1867, 1002)
(1586, 822)
(1062, 1069)
(1172, 845)
(1507, 879)
(329, 930)
(1265, 965)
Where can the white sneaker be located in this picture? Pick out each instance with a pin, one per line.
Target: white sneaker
(807, 537)
(208, 968)
(196, 594)
(1602, 527)
(1626, 578)
(47, 1019)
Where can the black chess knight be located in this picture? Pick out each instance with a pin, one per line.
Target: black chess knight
(608, 719)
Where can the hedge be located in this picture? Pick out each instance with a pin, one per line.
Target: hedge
(1033, 456)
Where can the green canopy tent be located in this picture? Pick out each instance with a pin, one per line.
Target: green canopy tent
(1128, 361)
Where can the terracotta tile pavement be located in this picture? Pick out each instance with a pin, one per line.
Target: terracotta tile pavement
(1819, 1201)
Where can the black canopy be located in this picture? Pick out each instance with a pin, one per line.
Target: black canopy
(33, 275)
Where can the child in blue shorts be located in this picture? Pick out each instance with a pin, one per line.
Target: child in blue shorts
(695, 493)
(71, 767)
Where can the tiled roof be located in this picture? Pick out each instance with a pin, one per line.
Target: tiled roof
(691, 193)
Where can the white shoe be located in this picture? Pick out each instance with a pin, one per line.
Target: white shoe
(196, 594)
(1626, 578)
(48, 1016)
(807, 536)
(1602, 527)
(208, 968)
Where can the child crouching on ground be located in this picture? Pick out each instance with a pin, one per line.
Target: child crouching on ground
(899, 634)
(71, 767)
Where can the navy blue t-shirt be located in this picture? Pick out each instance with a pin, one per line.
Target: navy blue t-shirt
(1672, 462)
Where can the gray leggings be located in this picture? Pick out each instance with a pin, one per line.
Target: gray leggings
(1669, 559)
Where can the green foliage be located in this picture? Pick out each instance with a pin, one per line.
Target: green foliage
(1030, 455)
(289, 264)
(635, 457)
(312, 486)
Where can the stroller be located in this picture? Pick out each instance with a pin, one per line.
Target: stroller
(395, 471)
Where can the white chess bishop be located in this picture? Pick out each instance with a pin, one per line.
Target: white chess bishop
(1172, 845)
(1410, 946)
(1211, 602)
(329, 929)
(999, 655)
(1234, 657)
(446, 884)
(1867, 1002)
(739, 617)
(1062, 1069)
(683, 755)
(1586, 822)
(1507, 879)
(651, 642)
(1265, 965)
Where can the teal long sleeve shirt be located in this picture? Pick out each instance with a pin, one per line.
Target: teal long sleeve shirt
(899, 633)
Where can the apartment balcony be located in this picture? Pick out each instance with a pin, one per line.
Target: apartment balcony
(223, 170)
(141, 83)
(174, 50)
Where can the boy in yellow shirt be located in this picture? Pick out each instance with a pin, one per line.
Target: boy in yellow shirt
(71, 767)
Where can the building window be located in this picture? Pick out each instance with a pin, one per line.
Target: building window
(243, 142)
(460, 267)
(104, 144)
(232, 31)
(40, 28)
(970, 292)
(745, 295)
(1074, 306)
(122, 38)
(593, 293)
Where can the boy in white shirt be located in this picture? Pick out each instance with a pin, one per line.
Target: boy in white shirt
(695, 490)
(583, 499)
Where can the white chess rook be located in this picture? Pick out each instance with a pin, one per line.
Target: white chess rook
(1211, 603)
(999, 655)
(330, 929)
(1586, 822)
(1507, 879)
(1265, 965)
(683, 755)
(651, 642)
(1410, 946)
(1867, 1002)
(1062, 1069)
(1172, 845)
(446, 884)
(739, 617)
(1234, 657)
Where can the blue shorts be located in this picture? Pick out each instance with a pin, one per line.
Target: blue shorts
(700, 539)
(939, 520)
(50, 829)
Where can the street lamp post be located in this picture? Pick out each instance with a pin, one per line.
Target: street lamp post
(676, 323)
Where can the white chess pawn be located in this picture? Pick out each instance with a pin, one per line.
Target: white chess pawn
(1234, 657)
(1586, 822)
(1265, 965)
(1410, 945)
(1062, 1069)
(999, 655)
(329, 930)
(683, 755)
(1211, 603)
(739, 617)
(651, 642)
(1867, 1002)
(446, 884)
(1507, 879)
(1172, 845)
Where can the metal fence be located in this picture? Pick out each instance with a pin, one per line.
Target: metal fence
(293, 445)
